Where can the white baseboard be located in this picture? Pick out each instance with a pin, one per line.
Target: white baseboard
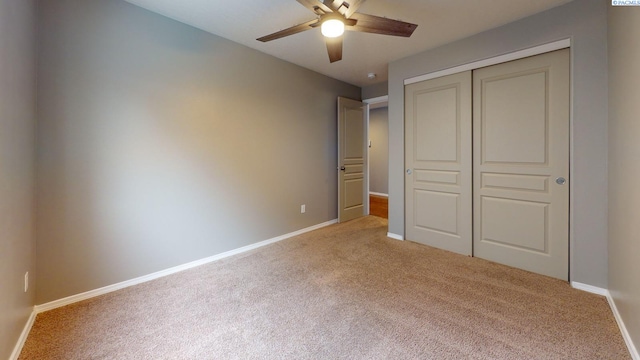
(633, 351)
(589, 288)
(378, 194)
(121, 285)
(23, 336)
(395, 236)
(623, 329)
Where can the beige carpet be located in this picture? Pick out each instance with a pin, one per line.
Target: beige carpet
(342, 292)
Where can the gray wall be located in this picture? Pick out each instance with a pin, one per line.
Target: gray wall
(160, 144)
(624, 165)
(585, 22)
(375, 90)
(17, 125)
(379, 150)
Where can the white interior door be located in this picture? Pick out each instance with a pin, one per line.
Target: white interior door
(438, 163)
(521, 163)
(352, 159)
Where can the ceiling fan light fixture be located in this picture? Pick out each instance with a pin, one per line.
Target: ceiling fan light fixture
(333, 17)
(332, 28)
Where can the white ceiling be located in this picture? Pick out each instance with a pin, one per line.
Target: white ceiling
(439, 22)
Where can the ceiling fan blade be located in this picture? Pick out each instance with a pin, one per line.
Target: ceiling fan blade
(333, 4)
(380, 25)
(334, 48)
(314, 5)
(353, 7)
(290, 31)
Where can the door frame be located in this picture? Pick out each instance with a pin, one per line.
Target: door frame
(516, 55)
(537, 50)
(375, 103)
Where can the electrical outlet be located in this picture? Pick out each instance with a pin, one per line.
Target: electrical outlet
(26, 281)
(303, 208)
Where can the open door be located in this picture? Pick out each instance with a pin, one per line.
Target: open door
(352, 159)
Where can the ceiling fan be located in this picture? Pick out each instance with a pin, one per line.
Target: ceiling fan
(336, 16)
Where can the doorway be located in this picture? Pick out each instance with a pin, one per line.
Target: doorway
(378, 147)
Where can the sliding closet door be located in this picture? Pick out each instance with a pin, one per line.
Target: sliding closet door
(438, 162)
(521, 163)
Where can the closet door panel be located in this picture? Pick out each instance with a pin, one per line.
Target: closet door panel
(521, 163)
(438, 163)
